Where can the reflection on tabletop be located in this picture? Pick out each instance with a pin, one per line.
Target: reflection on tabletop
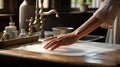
(77, 49)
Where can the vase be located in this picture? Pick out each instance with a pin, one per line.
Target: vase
(26, 11)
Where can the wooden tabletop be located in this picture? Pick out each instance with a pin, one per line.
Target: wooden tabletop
(108, 59)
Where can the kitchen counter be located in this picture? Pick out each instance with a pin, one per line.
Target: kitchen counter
(21, 58)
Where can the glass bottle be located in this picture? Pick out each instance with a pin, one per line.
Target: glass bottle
(13, 30)
(26, 11)
(22, 33)
(6, 34)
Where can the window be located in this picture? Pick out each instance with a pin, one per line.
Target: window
(90, 3)
(9, 6)
(4, 6)
(95, 3)
(45, 3)
(1, 4)
(74, 3)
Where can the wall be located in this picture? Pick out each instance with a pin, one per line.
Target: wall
(12, 9)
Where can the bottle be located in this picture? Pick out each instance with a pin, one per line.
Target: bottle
(13, 30)
(22, 33)
(6, 34)
(26, 11)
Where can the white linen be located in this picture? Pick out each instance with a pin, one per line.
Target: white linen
(77, 49)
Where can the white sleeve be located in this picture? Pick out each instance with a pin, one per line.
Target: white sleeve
(107, 11)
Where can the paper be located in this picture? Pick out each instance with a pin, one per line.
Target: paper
(76, 49)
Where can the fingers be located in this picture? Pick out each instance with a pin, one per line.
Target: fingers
(50, 38)
(52, 45)
(48, 45)
(54, 42)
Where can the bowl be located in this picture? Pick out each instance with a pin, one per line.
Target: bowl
(61, 30)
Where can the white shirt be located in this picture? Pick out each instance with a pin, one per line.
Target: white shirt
(109, 12)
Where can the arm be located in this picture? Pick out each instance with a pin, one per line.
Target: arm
(106, 13)
(70, 38)
(90, 25)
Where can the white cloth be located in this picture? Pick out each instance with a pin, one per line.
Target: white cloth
(79, 48)
(109, 12)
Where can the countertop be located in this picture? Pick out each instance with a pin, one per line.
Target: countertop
(106, 59)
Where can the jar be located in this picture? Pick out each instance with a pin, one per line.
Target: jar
(13, 30)
(22, 33)
(6, 34)
(26, 11)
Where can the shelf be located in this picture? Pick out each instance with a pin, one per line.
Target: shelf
(7, 14)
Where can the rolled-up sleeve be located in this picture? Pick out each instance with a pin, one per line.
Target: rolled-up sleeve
(108, 11)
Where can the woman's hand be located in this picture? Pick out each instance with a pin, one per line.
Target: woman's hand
(60, 40)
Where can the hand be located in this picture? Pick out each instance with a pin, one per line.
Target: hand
(60, 40)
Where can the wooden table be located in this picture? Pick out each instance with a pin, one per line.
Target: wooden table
(21, 58)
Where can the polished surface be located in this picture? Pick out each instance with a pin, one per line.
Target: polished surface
(105, 59)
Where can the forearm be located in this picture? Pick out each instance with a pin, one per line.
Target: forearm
(87, 27)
